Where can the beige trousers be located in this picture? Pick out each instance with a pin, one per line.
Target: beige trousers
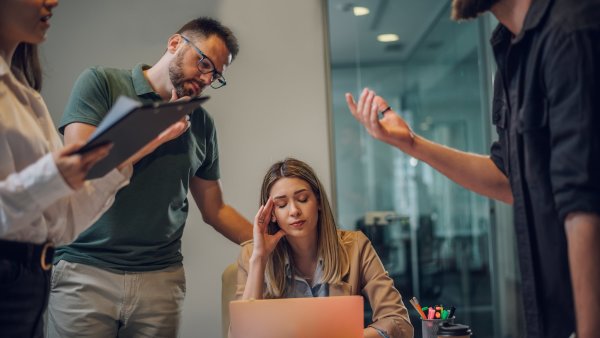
(86, 301)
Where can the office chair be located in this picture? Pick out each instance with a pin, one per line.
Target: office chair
(228, 287)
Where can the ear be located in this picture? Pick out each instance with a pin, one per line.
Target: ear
(174, 42)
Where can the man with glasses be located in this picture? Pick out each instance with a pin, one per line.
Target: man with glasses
(124, 275)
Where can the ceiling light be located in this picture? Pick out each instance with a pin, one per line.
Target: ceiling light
(388, 37)
(360, 11)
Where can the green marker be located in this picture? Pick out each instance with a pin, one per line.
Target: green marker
(444, 314)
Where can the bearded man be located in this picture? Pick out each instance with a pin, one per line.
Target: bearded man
(124, 277)
(546, 163)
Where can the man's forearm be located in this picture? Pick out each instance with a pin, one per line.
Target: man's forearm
(232, 225)
(475, 172)
(583, 238)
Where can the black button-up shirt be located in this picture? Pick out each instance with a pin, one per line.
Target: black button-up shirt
(546, 110)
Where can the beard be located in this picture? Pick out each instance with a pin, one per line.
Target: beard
(470, 9)
(178, 79)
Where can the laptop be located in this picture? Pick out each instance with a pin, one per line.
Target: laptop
(321, 317)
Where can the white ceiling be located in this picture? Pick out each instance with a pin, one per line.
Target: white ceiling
(353, 38)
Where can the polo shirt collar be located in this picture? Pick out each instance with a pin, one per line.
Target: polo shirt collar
(140, 83)
(534, 16)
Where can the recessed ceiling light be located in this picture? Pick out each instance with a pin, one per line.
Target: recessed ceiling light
(360, 11)
(388, 37)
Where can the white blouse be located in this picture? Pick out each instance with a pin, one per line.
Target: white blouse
(36, 204)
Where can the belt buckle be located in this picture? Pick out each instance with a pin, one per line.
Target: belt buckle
(47, 246)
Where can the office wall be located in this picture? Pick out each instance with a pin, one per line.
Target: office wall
(274, 105)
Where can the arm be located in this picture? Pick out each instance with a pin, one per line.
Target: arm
(572, 78)
(583, 236)
(78, 132)
(472, 171)
(27, 194)
(94, 197)
(222, 217)
(37, 195)
(389, 313)
(263, 246)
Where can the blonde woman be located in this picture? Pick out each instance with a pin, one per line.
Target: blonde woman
(297, 251)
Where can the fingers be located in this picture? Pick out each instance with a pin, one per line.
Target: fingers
(380, 102)
(70, 148)
(174, 130)
(361, 103)
(258, 222)
(351, 104)
(373, 117)
(92, 157)
(261, 220)
(173, 95)
(74, 167)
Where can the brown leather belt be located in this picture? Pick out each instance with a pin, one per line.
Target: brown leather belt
(30, 254)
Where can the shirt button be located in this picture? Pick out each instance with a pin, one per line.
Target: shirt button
(496, 117)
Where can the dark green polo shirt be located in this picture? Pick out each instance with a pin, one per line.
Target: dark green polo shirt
(143, 228)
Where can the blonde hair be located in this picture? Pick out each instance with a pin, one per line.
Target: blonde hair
(329, 246)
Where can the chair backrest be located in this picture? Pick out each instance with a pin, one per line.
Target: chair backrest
(229, 285)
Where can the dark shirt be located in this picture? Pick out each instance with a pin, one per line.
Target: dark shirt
(546, 110)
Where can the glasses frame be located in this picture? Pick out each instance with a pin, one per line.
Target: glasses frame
(217, 79)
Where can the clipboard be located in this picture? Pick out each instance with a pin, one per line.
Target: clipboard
(130, 125)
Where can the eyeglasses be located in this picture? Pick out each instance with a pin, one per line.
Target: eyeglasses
(206, 66)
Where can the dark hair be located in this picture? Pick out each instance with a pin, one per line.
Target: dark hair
(207, 27)
(26, 65)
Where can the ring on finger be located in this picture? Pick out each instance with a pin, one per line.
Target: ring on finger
(381, 113)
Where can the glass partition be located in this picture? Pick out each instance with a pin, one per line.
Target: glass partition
(438, 241)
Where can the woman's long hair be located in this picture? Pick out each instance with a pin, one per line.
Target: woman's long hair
(26, 65)
(329, 246)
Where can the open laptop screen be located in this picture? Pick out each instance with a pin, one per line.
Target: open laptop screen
(323, 317)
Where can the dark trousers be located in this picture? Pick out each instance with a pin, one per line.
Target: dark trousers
(24, 291)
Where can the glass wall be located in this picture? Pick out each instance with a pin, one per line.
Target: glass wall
(438, 241)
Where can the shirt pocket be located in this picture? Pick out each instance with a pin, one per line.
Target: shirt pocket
(499, 114)
(533, 129)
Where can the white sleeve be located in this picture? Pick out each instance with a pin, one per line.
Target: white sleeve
(39, 195)
(26, 194)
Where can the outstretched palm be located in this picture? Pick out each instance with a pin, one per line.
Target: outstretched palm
(391, 129)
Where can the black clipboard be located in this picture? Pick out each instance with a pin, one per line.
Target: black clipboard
(130, 125)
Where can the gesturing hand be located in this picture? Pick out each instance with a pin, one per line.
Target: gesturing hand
(74, 167)
(264, 243)
(391, 128)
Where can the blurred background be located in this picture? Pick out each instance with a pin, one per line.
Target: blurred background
(438, 241)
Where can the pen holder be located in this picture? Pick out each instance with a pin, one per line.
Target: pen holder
(429, 327)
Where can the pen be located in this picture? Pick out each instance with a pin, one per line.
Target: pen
(415, 304)
(451, 313)
(438, 312)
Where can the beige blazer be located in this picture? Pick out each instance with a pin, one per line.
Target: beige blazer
(365, 276)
